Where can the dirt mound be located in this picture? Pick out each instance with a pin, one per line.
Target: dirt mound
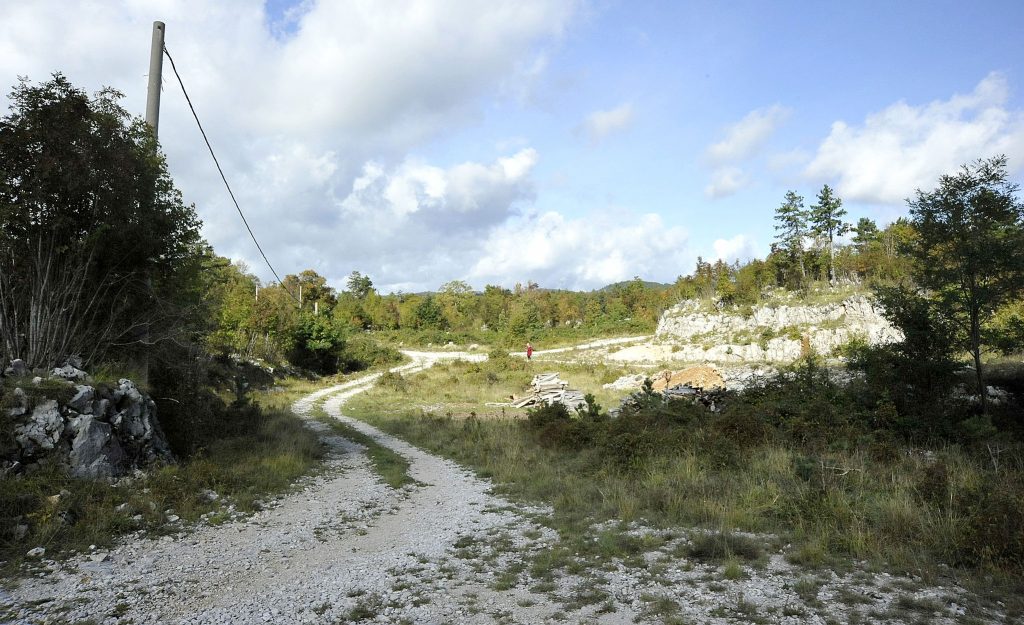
(701, 376)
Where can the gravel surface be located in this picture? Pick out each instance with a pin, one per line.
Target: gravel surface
(346, 548)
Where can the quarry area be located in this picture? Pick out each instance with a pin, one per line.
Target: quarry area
(767, 334)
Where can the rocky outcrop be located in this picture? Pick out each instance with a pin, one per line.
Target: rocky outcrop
(94, 431)
(770, 333)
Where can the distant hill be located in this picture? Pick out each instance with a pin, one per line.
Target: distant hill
(657, 286)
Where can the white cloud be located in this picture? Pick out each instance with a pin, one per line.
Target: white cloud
(600, 124)
(557, 251)
(904, 147)
(744, 138)
(725, 181)
(740, 247)
(314, 117)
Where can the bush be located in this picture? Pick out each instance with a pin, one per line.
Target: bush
(393, 381)
(995, 523)
(362, 352)
(553, 426)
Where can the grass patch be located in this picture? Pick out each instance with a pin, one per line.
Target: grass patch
(392, 468)
(763, 465)
(62, 514)
(719, 546)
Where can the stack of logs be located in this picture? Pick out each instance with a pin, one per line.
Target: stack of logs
(548, 388)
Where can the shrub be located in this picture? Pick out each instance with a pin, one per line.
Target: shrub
(995, 523)
(393, 381)
(718, 546)
(362, 352)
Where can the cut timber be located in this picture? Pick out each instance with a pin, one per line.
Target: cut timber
(549, 389)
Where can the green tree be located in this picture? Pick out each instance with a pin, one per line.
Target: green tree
(359, 285)
(826, 221)
(791, 228)
(317, 344)
(429, 315)
(457, 301)
(864, 233)
(970, 248)
(98, 251)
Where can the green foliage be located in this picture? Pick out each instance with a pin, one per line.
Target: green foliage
(720, 546)
(429, 315)
(791, 228)
(968, 250)
(826, 221)
(318, 344)
(1005, 330)
(94, 238)
(359, 285)
(363, 352)
(917, 373)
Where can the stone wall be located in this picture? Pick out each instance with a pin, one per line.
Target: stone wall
(92, 431)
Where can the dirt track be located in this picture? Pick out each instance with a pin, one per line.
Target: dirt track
(348, 548)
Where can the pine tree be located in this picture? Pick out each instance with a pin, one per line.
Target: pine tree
(791, 227)
(826, 220)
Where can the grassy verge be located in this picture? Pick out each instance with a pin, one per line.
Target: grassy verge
(229, 475)
(834, 491)
(392, 468)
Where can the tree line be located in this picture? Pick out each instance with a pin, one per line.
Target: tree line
(100, 256)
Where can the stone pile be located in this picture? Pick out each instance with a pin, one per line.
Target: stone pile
(94, 431)
(548, 388)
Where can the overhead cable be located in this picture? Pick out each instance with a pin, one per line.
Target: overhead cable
(223, 177)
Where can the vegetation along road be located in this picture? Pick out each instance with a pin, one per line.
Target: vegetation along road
(434, 545)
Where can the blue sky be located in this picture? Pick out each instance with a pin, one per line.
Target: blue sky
(567, 142)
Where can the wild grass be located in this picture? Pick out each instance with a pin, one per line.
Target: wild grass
(392, 468)
(909, 508)
(464, 389)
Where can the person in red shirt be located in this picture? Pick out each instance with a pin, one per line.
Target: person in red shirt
(529, 351)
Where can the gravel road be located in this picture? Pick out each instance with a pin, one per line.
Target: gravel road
(346, 548)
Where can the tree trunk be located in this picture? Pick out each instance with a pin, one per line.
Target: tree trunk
(976, 352)
(831, 261)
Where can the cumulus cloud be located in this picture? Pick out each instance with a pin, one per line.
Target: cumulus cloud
(740, 247)
(600, 124)
(906, 147)
(725, 181)
(314, 114)
(557, 251)
(744, 138)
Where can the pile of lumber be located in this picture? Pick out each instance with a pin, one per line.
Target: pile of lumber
(548, 388)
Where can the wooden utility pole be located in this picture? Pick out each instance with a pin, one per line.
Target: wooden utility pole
(156, 68)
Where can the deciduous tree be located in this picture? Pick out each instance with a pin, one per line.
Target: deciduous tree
(970, 248)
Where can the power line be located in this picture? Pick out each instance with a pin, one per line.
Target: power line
(223, 177)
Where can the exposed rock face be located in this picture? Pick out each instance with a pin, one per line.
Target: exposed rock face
(728, 337)
(99, 432)
(95, 452)
(17, 369)
(43, 429)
